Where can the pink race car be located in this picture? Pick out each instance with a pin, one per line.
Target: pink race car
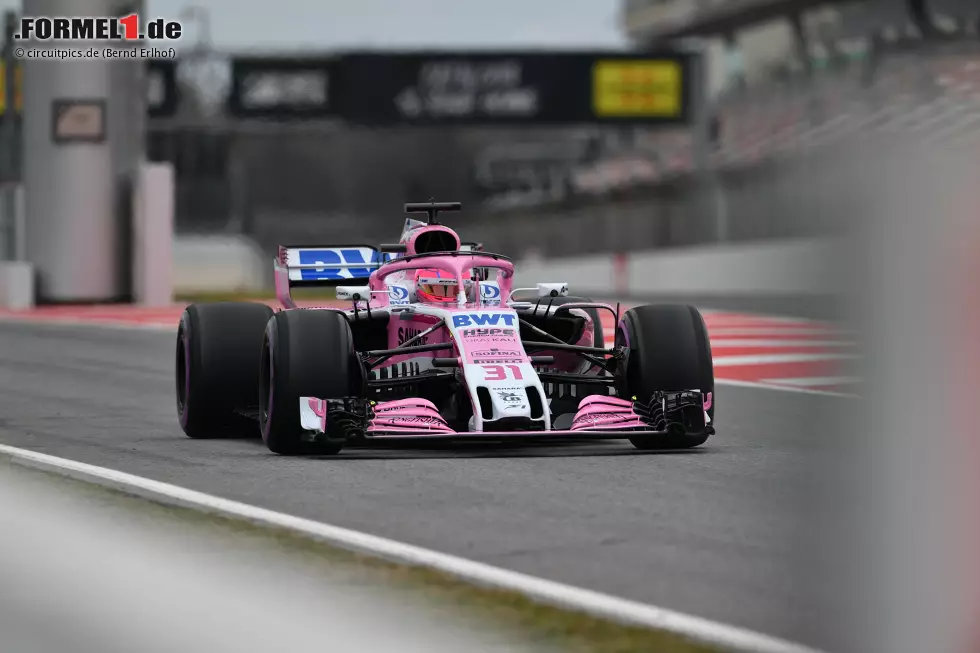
(437, 344)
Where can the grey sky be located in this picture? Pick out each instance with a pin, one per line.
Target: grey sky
(328, 24)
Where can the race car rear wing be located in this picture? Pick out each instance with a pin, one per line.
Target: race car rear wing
(327, 266)
(332, 265)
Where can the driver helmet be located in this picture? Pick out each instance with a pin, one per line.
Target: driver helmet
(445, 291)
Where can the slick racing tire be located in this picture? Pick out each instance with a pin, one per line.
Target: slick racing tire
(668, 349)
(219, 347)
(306, 353)
(599, 337)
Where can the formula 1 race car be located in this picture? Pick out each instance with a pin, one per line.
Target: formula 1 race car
(438, 345)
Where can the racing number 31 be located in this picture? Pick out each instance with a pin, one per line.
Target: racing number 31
(499, 372)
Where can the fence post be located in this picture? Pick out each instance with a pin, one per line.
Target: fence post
(9, 143)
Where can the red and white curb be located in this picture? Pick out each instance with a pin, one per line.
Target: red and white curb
(775, 353)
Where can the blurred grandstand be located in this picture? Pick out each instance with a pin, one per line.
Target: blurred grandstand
(784, 81)
(787, 80)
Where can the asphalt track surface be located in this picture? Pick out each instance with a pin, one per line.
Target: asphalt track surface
(725, 532)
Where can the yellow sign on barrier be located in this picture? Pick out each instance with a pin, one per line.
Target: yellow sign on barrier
(18, 87)
(638, 89)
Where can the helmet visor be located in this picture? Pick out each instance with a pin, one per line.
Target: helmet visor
(438, 288)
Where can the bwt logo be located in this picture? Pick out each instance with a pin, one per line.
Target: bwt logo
(352, 256)
(484, 319)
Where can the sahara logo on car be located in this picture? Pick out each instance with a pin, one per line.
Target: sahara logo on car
(511, 395)
(484, 319)
(405, 334)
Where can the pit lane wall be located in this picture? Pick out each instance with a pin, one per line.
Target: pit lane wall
(219, 263)
(773, 267)
(199, 264)
(799, 277)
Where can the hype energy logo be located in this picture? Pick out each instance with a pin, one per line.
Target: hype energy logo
(484, 319)
(97, 28)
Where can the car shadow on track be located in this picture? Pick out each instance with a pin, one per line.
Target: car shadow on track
(502, 451)
(486, 450)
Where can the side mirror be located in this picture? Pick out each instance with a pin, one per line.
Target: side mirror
(552, 290)
(354, 293)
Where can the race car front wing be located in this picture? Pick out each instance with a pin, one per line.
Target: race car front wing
(598, 417)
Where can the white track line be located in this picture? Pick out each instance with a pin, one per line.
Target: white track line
(816, 380)
(731, 316)
(758, 385)
(107, 323)
(770, 359)
(720, 343)
(545, 591)
(723, 332)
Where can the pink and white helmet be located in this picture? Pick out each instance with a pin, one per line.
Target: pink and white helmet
(436, 286)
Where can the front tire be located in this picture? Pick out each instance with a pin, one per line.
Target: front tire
(668, 350)
(306, 353)
(217, 366)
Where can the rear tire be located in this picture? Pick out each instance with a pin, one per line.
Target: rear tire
(306, 353)
(217, 367)
(668, 350)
